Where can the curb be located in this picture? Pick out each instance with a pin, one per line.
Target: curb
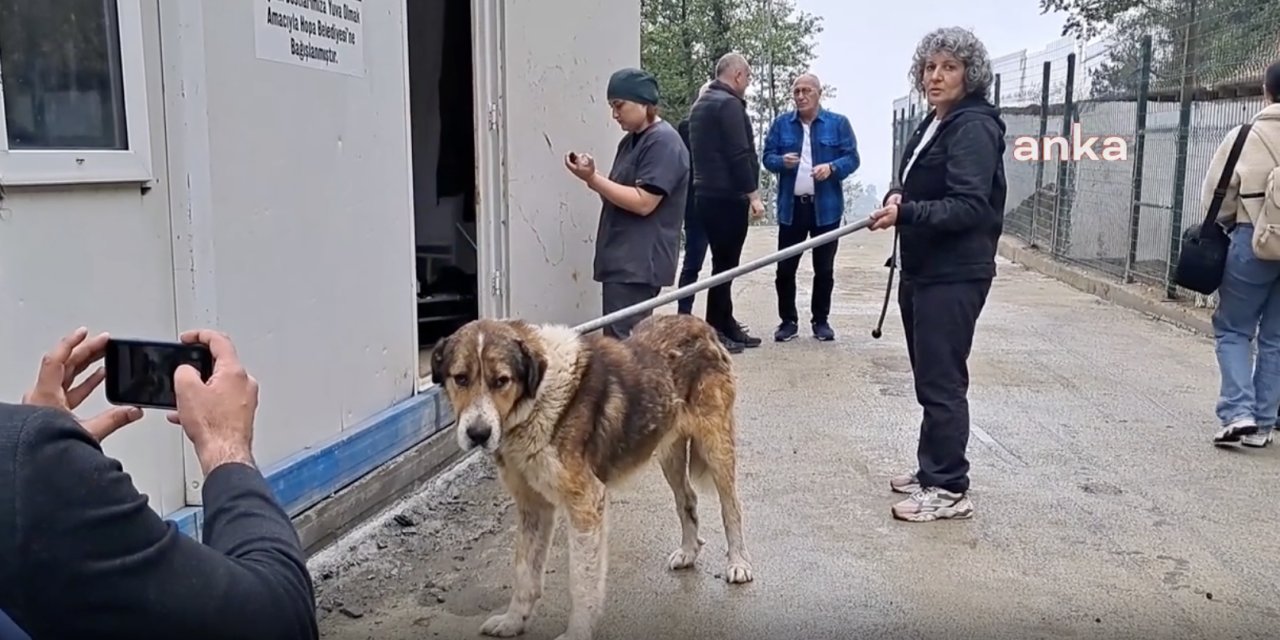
(1136, 297)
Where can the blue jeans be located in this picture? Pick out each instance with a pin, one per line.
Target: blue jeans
(695, 253)
(1248, 310)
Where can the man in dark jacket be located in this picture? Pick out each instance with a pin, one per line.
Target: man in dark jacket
(82, 555)
(947, 210)
(726, 176)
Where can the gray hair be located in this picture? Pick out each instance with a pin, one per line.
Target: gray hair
(966, 47)
(731, 62)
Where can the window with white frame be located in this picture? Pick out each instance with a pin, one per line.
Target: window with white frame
(72, 92)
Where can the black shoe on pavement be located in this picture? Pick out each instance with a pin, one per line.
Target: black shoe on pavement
(733, 346)
(823, 331)
(786, 331)
(739, 334)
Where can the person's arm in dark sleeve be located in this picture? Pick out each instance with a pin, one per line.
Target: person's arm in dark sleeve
(849, 160)
(96, 562)
(740, 151)
(660, 168)
(972, 157)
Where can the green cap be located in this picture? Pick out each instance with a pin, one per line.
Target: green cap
(633, 85)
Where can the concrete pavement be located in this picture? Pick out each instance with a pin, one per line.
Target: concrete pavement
(1103, 511)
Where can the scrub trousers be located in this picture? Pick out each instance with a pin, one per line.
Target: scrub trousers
(620, 295)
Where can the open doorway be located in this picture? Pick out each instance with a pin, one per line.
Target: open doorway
(442, 119)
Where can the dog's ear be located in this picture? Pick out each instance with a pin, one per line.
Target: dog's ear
(532, 368)
(439, 356)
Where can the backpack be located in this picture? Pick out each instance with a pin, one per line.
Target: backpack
(1266, 228)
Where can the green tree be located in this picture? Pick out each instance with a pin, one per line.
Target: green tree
(1211, 41)
(682, 39)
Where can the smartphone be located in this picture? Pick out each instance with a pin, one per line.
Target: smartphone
(573, 157)
(140, 372)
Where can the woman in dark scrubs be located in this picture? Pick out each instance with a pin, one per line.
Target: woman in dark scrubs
(643, 200)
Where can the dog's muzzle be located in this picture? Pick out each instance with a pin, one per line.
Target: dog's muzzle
(478, 434)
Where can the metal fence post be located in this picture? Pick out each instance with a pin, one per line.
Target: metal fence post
(997, 92)
(1139, 148)
(1062, 216)
(897, 145)
(1175, 219)
(1044, 129)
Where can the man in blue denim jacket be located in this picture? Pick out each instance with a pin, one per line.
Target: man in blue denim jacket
(812, 151)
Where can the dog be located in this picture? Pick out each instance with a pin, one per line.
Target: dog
(566, 417)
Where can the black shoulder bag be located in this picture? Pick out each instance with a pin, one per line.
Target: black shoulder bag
(1203, 255)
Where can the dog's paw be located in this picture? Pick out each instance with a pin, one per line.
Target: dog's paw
(503, 626)
(682, 559)
(739, 572)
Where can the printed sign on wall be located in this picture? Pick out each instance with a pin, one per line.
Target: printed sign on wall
(319, 34)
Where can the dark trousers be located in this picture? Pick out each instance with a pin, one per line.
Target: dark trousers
(939, 320)
(695, 253)
(804, 226)
(725, 221)
(620, 295)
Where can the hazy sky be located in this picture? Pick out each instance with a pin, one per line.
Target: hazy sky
(866, 46)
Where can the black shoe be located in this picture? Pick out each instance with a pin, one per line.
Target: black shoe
(823, 331)
(739, 334)
(786, 331)
(732, 346)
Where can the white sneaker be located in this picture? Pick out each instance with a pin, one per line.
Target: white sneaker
(1232, 433)
(1257, 440)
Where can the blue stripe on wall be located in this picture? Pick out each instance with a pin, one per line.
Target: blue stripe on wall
(309, 476)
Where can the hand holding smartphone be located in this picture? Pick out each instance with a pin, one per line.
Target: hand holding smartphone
(140, 372)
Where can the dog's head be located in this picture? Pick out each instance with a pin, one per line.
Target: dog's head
(490, 370)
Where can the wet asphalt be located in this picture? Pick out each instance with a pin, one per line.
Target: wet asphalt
(1103, 510)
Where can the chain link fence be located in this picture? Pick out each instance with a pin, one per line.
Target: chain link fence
(1156, 98)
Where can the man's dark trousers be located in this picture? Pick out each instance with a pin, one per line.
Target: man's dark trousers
(695, 253)
(939, 320)
(725, 221)
(804, 226)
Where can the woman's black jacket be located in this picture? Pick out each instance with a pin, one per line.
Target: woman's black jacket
(952, 209)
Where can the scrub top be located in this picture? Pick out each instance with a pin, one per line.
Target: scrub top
(635, 249)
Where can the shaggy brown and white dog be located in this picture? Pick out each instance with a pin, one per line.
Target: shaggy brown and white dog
(566, 417)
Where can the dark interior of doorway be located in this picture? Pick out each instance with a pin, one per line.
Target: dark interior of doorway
(441, 115)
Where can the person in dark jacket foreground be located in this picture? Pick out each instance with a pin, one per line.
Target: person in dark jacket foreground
(82, 555)
(947, 211)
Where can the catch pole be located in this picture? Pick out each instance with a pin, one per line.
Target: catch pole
(720, 278)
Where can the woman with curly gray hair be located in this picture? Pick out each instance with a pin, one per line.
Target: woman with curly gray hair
(947, 211)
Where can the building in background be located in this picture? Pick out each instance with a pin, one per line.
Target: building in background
(335, 184)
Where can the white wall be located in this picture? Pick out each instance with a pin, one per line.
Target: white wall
(98, 257)
(558, 64)
(309, 212)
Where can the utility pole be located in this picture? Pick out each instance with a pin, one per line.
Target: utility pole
(1182, 142)
(769, 46)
